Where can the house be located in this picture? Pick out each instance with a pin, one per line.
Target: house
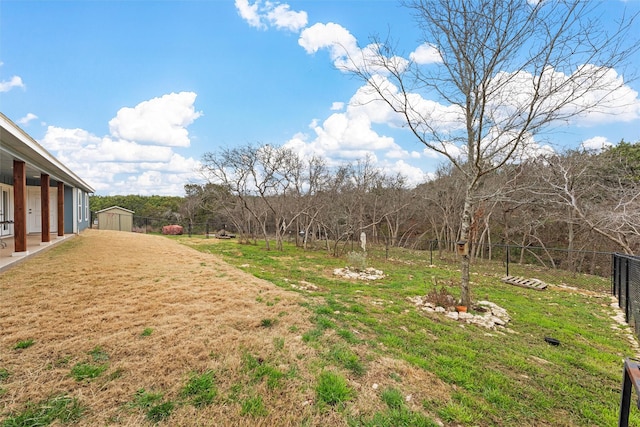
(38, 194)
(115, 218)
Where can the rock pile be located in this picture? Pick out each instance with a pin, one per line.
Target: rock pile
(366, 274)
(489, 315)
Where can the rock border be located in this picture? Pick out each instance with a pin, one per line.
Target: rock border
(493, 316)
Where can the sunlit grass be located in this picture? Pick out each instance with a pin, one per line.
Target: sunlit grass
(502, 377)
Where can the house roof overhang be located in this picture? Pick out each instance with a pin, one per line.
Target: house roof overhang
(16, 144)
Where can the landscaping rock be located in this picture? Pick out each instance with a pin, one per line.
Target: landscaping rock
(489, 315)
(367, 274)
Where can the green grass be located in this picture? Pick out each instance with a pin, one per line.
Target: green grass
(152, 404)
(253, 406)
(343, 356)
(267, 323)
(332, 388)
(98, 354)
(64, 409)
(393, 398)
(259, 369)
(83, 371)
(200, 389)
(496, 377)
(159, 412)
(20, 345)
(146, 332)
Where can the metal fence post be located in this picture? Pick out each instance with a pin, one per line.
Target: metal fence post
(630, 379)
(626, 290)
(431, 252)
(507, 249)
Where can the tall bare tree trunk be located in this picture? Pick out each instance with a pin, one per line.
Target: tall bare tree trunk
(465, 292)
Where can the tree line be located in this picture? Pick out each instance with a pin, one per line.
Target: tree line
(578, 200)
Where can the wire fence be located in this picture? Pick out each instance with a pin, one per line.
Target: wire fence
(586, 269)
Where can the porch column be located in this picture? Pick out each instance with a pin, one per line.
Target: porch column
(44, 205)
(60, 209)
(20, 208)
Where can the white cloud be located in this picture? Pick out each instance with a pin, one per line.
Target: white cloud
(344, 51)
(7, 85)
(161, 121)
(113, 164)
(597, 143)
(26, 119)
(249, 12)
(335, 37)
(337, 106)
(610, 101)
(284, 18)
(61, 139)
(262, 14)
(413, 174)
(426, 53)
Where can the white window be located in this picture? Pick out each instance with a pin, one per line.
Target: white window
(86, 206)
(79, 205)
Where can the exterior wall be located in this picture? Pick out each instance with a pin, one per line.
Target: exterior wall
(69, 209)
(34, 219)
(81, 206)
(115, 219)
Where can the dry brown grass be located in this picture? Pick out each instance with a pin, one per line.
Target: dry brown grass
(104, 288)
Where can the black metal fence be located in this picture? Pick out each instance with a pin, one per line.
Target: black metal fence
(625, 285)
(579, 268)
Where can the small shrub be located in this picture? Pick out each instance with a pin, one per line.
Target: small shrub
(253, 406)
(332, 389)
(440, 297)
(357, 261)
(146, 332)
(20, 345)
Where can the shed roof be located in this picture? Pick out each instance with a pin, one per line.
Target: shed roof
(115, 207)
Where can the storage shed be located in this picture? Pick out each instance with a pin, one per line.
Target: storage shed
(115, 218)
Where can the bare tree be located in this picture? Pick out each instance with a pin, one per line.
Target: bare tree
(608, 204)
(507, 70)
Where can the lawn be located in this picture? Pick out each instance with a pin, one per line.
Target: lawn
(126, 329)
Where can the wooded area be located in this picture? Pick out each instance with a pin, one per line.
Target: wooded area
(578, 200)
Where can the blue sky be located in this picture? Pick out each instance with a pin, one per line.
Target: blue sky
(130, 94)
